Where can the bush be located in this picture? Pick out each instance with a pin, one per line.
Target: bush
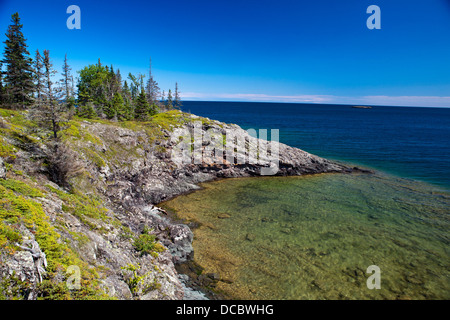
(61, 163)
(146, 243)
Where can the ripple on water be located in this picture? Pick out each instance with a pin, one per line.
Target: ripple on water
(313, 237)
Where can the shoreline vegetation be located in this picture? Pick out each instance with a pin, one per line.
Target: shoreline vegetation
(81, 173)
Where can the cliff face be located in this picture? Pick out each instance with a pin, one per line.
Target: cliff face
(105, 237)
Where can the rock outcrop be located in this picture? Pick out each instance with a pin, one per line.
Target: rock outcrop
(131, 170)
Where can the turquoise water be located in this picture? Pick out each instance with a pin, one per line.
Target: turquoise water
(412, 143)
(314, 237)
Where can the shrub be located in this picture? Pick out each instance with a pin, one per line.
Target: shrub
(61, 163)
(146, 243)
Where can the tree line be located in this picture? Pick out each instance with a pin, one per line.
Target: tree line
(28, 84)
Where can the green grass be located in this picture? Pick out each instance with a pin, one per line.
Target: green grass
(17, 210)
(146, 243)
(21, 188)
(86, 208)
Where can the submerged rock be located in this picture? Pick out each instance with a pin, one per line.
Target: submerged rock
(129, 171)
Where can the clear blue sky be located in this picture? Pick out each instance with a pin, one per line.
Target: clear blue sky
(257, 50)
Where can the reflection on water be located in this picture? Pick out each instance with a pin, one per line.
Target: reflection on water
(313, 237)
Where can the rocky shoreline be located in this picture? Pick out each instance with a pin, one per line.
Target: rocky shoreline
(132, 172)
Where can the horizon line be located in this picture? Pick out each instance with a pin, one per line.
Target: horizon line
(373, 100)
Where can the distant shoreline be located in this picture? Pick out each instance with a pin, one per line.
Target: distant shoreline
(361, 107)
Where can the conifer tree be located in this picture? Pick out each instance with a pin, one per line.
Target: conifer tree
(152, 89)
(169, 103)
(2, 94)
(119, 107)
(66, 84)
(141, 110)
(134, 85)
(50, 114)
(177, 102)
(87, 111)
(38, 77)
(19, 72)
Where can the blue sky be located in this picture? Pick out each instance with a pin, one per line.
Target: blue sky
(257, 50)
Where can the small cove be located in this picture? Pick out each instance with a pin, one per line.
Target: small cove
(313, 237)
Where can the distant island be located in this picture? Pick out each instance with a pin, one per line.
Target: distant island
(362, 107)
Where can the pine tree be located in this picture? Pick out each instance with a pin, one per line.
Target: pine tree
(38, 77)
(152, 88)
(126, 95)
(120, 107)
(87, 111)
(2, 94)
(141, 110)
(154, 109)
(177, 102)
(169, 103)
(19, 73)
(66, 84)
(51, 114)
(134, 85)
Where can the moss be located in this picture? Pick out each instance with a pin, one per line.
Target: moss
(126, 233)
(94, 157)
(7, 151)
(21, 188)
(135, 282)
(71, 131)
(17, 119)
(75, 132)
(146, 244)
(16, 210)
(82, 206)
(9, 236)
(170, 119)
(79, 237)
(12, 288)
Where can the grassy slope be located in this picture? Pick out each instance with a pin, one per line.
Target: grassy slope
(20, 193)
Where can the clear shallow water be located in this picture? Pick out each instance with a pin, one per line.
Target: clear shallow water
(313, 237)
(408, 142)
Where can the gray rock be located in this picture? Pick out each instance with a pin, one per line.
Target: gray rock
(2, 169)
(190, 293)
(176, 237)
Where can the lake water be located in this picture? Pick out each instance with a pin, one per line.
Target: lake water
(313, 237)
(408, 142)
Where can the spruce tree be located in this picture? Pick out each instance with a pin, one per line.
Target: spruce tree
(152, 88)
(177, 102)
(119, 107)
(169, 104)
(67, 84)
(126, 95)
(141, 110)
(19, 73)
(50, 114)
(38, 77)
(1, 86)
